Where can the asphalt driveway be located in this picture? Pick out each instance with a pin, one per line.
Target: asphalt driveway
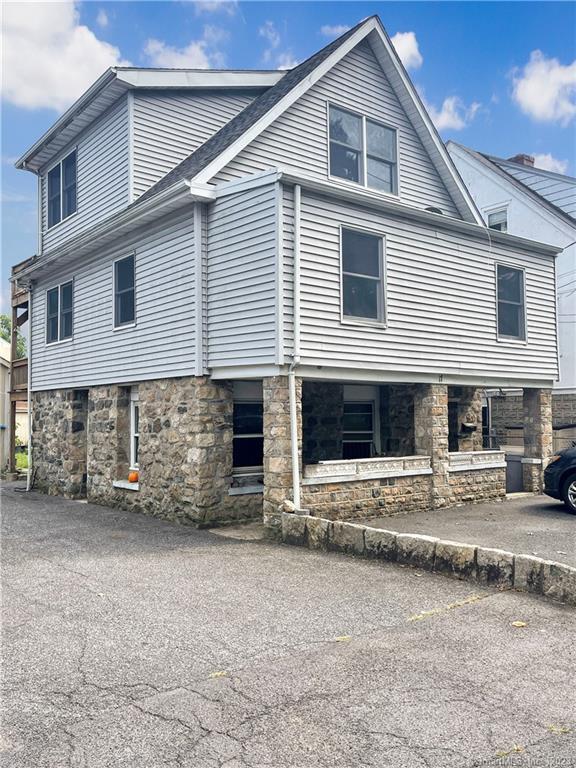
(529, 525)
(128, 641)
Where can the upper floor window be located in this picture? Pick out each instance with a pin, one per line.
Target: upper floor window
(59, 311)
(511, 313)
(362, 276)
(124, 292)
(498, 220)
(363, 150)
(62, 190)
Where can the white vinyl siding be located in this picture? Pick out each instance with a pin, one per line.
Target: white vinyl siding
(101, 173)
(169, 125)
(242, 270)
(298, 140)
(162, 343)
(441, 300)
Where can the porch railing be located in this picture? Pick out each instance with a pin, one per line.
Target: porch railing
(365, 469)
(467, 460)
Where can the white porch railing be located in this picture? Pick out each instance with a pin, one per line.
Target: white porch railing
(469, 460)
(342, 471)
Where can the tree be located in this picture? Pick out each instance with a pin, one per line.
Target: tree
(5, 333)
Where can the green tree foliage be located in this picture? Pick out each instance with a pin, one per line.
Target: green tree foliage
(6, 330)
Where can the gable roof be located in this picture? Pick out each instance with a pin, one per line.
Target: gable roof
(218, 150)
(493, 164)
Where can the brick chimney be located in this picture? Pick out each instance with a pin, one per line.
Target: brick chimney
(522, 160)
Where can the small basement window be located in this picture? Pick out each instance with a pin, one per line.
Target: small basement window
(362, 276)
(358, 431)
(510, 309)
(248, 437)
(134, 427)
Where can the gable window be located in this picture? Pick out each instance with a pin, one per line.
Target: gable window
(358, 430)
(362, 276)
(124, 292)
(59, 310)
(134, 427)
(248, 436)
(62, 190)
(498, 220)
(362, 150)
(511, 312)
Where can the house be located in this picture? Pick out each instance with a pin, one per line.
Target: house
(257, 288)
(516, 197)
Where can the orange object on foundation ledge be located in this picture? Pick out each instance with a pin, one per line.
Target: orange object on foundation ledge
(133, 477)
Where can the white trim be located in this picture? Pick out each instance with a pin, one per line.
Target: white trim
(279, 284)
(296, 283)
(245, 183)
(199, 293)
(134, 402)
(131, 129)
(521, 340)
(137, 77)
(472, 467)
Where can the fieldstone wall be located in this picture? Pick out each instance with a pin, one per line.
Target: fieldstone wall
(431, 436)
(397, 419)
(477, 485)
(59, 442)
(507, 412)
(469, 412)
(537, 437)
(322, 413)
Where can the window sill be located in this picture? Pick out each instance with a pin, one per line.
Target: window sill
(245, 490)
(60, 341)
(364, 323)
(515, 342)
(126, 485)
(124, 327)
(349, 184)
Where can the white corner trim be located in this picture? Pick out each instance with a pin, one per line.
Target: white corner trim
(130, 98)
(198, 291)
(279, 287)
(126, 485)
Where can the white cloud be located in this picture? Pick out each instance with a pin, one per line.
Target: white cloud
(406, 46)
(49, 58)
(545, 89)
(286, 61)
(453, 114)
(198, 54)
(227, 7)
(269, 32)
(282, 59)
(102, 19)
(549, 163)
(333, 30)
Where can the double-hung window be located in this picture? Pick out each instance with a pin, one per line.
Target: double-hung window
(124, 292)
(511, 310)
(362, 276)
(362, 150)
(134, 427)
(248, 436)
(59, 313)
(498, 220)
(358, 430)
(62, 190)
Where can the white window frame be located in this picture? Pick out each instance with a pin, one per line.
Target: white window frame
(248, 470)
(59, 287)
(381, 322)
(364, 152)
(134, 435)
(50, 227)
(132, 323)
(493, 210)
(521, 340)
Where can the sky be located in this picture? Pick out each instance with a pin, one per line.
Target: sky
(497, 76)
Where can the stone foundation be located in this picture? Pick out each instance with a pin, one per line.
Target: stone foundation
(507, 416)
(477, 486)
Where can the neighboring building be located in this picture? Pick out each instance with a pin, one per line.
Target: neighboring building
(271, 286)
(4, 404)
(515, 197)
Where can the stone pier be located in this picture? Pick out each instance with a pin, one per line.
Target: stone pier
(537, 405)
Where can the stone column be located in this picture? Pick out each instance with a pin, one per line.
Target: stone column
(470, 412)
(537, 437)
(431, 436)
(322, 413)
(397, 419)
(277, 455)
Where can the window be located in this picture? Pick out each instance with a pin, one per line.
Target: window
(124, 294)
(62, 190)
(358, 430)
(248, 437)
(362, 150)
(362, 276)
(498, 220)
(134, 427)
(511, 320)
(59, 309)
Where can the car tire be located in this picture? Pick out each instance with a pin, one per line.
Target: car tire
(569, 492)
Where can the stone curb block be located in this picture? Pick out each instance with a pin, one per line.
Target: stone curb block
(455, 559)
(495, 567)
(559, 582)
(416, 549)
(346, 537)
(317, 531)
(528, 573)
(380, 544)
(294, 529)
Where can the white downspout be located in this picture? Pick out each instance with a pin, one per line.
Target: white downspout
(296, 353)
(29, 393)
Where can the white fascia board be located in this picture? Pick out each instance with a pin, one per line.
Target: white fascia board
(373, 200)
(293, 95)
(247, 182)
(185, 78)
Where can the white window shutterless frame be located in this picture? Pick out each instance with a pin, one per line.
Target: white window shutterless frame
(362, 277)
(510, 303)
(134, 427)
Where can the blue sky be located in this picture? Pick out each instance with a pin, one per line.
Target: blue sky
(497, 76)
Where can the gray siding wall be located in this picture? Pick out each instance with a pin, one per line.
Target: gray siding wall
(169, 125)
(441, 300)
(561, 192)
(162, 342)
(102, 176)
(298, 140)
(242, 270)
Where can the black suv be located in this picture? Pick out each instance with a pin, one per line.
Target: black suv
(560, 477)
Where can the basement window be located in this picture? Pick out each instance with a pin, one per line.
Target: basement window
(59, 311)
(62, 190)
(248, 437)
(510, 307)
(134, 427)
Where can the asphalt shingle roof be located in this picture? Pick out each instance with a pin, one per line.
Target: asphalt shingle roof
(229, 133)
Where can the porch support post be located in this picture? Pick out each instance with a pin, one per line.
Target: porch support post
(537, 437)
(431, 436)
(470, 412)
(278, 479)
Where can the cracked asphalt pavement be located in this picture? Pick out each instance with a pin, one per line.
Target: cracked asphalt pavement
(129, 641)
